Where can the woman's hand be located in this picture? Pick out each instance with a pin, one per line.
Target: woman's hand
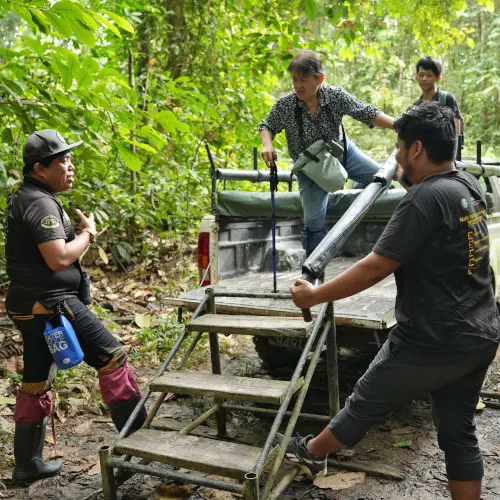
(269, 155)
(303, 294)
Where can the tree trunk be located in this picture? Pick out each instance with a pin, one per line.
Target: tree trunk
(177, 36)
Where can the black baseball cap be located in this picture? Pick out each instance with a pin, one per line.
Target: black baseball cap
(45, 143)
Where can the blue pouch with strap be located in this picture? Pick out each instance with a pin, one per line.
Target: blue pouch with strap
(62, 342)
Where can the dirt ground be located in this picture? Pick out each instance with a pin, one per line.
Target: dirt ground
(82, 426)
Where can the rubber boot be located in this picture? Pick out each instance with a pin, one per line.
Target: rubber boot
(28, 446)
(121, 410)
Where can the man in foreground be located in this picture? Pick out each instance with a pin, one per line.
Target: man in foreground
(46, 277)
(447, 329)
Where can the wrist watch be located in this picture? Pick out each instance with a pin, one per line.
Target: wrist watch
(92, 234)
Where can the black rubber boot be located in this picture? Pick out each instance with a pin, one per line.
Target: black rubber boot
(28, 446)
(121, 411)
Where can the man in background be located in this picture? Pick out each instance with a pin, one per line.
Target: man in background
(429, 71)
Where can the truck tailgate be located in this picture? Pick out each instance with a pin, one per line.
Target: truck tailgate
(372, 308)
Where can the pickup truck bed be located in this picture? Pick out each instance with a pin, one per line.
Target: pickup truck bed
(372, 309)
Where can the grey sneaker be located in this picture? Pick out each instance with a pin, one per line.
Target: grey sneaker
(296, 452)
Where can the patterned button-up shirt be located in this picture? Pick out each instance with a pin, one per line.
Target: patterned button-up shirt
(334, 103)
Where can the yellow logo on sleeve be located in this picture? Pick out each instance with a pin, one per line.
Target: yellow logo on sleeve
(50, 222)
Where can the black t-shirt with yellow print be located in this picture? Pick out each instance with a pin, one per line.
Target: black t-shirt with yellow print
(34, 216)
(438, 233)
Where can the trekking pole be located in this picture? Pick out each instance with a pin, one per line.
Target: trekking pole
(273, 184)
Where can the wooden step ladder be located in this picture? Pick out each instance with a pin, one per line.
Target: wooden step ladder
(250, 470)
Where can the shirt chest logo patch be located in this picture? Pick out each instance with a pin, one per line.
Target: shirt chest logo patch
(464, 202)
(50, 222)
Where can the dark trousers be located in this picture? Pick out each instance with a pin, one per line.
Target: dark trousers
(98, 344)
(396, 377)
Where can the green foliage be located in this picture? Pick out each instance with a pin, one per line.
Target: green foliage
(477, 84)
(156, 342)
(146, 84)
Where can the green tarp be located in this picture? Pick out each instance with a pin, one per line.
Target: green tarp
(258, 204)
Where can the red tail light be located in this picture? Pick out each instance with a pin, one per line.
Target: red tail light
(204, 258)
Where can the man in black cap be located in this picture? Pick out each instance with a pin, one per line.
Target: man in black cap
(46, 277)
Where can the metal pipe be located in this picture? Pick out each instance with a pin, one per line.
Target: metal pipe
(251, 486)
(202, 418)
(332, 243)
(252, 295)
(154, 409)
(126, 428)
(144, 397)
(140, 405)
(107, 477)
(298, 405)
(215, 361)
(272, 411)
(273, 186)
(121, 476)
(210, 298)
(190, 349)
(484, 169)
(332, 363)
(315, 264)
(177, 476)
(289, 392)
(229, 244)
(214, 180)
(283, 484)
(227, 174)
(460, 139)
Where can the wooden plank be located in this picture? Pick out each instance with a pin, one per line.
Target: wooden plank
(191, 452)
(381, 316)
(370, 467)
(238, 324)
(372, 308)
(490, 394)
(224, 386)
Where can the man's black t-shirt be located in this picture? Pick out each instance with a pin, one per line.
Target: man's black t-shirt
(445, 301)
(34, 216)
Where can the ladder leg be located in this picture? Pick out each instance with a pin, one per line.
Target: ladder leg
(251, 486)
(332, 364)
(216, 367)
(215, 355)
(107, 476)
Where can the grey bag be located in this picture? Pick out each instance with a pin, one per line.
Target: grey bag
(319, 164)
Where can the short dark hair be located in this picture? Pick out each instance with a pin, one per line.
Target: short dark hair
(431, 124)
(431, 64)
(306, 61)
(28, 169)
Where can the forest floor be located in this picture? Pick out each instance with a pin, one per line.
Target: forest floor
(133, 305)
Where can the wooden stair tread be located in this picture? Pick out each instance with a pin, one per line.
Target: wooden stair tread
(240, 324)
(195, 453)
(225, 386)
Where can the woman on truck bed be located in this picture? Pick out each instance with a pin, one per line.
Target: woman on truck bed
(313, 111)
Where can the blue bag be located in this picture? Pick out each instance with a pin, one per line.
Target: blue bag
(63, 342)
